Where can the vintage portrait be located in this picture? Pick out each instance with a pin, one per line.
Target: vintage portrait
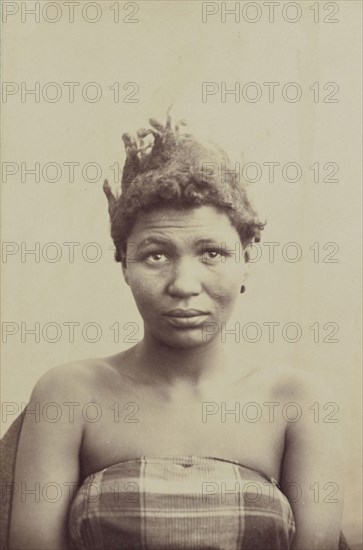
(181, 316)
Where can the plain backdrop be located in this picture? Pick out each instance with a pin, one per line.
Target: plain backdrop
(168, 55)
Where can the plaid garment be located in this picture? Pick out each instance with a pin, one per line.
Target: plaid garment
(180, 503)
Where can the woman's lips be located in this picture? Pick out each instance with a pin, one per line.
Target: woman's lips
(179, 312)
(185, 318)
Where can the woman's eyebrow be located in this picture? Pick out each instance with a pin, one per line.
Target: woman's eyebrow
(209, 240)
(227, 246)
(154, 240)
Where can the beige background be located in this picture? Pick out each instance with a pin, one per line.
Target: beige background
(169, 53)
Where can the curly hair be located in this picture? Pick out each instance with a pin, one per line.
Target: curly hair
(174, 171)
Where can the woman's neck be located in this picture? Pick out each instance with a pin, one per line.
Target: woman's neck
(180, 367)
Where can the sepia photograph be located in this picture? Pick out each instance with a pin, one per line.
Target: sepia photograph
(181, 254)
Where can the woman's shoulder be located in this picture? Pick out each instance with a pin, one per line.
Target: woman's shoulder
(74, 379)
(289, 383)
(293, 384)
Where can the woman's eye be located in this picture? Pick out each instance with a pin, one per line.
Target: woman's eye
(209, 255)
(156, 257)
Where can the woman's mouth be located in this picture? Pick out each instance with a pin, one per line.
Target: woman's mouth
(186, 318)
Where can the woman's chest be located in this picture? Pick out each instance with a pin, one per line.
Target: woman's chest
(248, 431)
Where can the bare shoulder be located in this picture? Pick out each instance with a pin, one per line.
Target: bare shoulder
(297, 384)
(72, 380)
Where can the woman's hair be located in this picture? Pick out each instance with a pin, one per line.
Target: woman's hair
(177, 171)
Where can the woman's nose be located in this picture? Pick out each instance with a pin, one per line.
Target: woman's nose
(184, 280)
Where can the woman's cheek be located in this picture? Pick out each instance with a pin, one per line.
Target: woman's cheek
(145, 289)
(225, 292)
(228, 280)
(222, 290)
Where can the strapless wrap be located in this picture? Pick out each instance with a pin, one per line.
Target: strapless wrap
(180, 503)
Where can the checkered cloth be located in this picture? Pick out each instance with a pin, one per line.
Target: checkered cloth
(180, 503)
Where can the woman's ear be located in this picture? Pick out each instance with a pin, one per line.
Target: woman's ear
(125, 272)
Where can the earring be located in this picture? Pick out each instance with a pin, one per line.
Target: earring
(243, 289)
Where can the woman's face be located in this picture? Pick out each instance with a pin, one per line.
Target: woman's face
(185, 269)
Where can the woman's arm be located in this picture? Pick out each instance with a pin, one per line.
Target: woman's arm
(47, 463)
(312, 466)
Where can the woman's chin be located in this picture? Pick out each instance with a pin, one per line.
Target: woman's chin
(185, 338)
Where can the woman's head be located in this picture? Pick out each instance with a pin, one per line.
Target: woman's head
(175, 171)
(181, 234)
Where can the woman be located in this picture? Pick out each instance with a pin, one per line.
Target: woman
(143, 455)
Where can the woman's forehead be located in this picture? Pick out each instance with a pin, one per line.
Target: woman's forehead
(205, 222)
